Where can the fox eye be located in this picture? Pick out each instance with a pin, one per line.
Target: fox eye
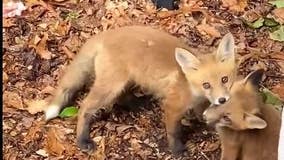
(226, 118)
(224, 79)
(206, 85)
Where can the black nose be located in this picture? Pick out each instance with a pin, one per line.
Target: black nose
(222, 100)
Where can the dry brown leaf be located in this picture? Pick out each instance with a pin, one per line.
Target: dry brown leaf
(100, 152)
(36, 106)
(208, 29)
(69, 54)
(211, 146)
(5, 77)
(135, 144)
(32, 132)
(48, 90)
(61, 28)
(42, 152)
(73, 43)
(55, 143)
(41, 48)
(235, 5)
(279, 15)
(12, 99)
(166, 14)
(43, 25)
(8, 22)
(279, 90)
(36, 39)
(122, 128)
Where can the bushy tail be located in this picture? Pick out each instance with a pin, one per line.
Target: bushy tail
(76, 75)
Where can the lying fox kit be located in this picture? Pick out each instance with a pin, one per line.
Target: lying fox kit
(152, 59)
(248, 129)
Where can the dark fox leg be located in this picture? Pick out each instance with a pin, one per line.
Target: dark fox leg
(175, 106)
(75, 77)
(102, 95)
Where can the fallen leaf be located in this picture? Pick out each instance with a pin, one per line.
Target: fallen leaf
(270, 97)
(73, 43)
(69, 54)
(48, 90)
(5, 77)
(12, 99)
(135, 144)
(256, 24)
(43, 25)
(208, 29)
(42, 152)
(33, 132)
(278, 35)
(69, 112)
(60, 28)
(235, 5)
(122, 128)
(270, 22)
(100, 151)
(279, 90)
(279, 15)
(41, 48)
(211, 146)
(277, 3)
(36, 106)
(36, 40)
(8, 22)
(54, 144)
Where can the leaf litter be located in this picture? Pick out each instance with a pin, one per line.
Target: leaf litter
(40, 42)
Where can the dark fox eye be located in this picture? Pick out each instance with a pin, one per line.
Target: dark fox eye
(226, 119)
(224, 79)
(206, 85)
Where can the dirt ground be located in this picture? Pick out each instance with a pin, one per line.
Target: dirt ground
(39, 44)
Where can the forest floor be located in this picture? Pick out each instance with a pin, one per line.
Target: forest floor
(38, 45)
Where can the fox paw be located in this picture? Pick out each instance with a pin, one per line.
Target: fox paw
(86, 145)
(178, 148)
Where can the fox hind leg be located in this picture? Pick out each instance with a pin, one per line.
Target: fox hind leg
(102, 95)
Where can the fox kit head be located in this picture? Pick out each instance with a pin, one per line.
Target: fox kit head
(242, 111)
(211, 75)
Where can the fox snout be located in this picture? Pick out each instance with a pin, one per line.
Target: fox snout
(221, 100)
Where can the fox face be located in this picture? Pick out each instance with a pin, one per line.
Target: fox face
(241, 112)
(210, 75)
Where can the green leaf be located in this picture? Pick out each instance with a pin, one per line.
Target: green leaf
(278, 3)
(270, 22)
(271, 98)
(278, 35)
(256, 24)
(69, 112)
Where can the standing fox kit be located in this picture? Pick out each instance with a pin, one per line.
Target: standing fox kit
(248, 129)
(152, 59)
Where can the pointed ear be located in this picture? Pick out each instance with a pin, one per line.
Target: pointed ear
(254, 77)
(186, 60)
(226, 49)
(254, 122)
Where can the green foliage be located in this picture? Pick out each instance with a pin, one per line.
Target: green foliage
(278, 3)
(278, 35)
(271, 98)
(69, 112)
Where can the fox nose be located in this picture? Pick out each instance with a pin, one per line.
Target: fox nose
(222, 100)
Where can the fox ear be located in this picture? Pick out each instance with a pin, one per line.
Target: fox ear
(254, 122)
(254, 77)
(226, 49)
(186, 59)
